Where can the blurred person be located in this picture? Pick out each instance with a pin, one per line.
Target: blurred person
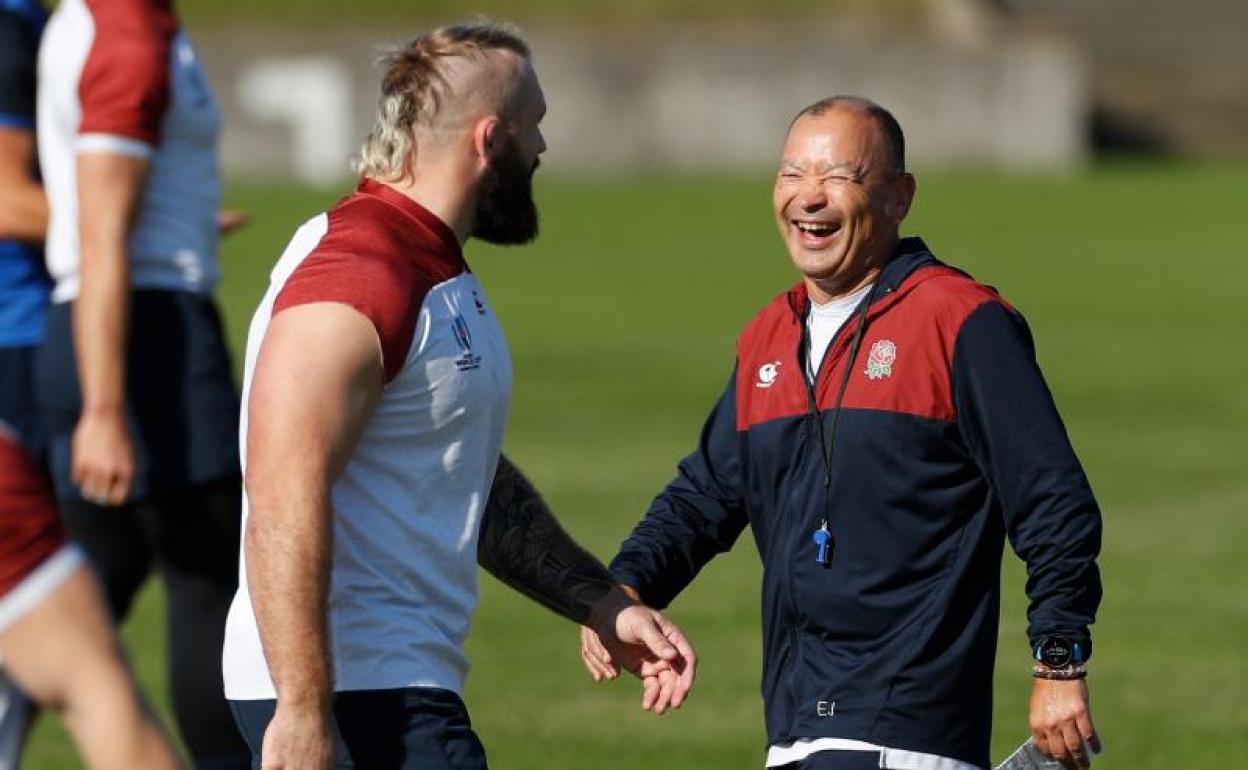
(885, 429)
(134, 379)
(56, 639)
(55, 635)
(376, 392)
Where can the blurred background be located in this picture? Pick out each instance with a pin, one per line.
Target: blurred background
(1089, 159)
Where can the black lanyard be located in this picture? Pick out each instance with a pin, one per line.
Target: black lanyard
(822, 536)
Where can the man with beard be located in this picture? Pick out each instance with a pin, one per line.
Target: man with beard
(376, 391)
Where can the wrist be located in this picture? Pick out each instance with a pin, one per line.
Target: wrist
(604, 611)
(103, 409)
(304, 704)
(1068, 673)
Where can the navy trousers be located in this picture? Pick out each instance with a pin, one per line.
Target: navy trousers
(416, 728)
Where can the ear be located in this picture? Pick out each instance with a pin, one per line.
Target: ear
(903, 196)
(485, 139)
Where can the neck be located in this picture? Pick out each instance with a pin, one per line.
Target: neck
(824, 290)
(448, 201)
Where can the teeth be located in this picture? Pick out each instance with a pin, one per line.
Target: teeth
(815, 228)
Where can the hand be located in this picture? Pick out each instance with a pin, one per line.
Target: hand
(1061, 721)
(102, 457)
(644, 642)
(229, 220)
(298, 739)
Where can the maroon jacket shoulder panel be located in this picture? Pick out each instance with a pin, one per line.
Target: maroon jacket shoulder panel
(903, 365)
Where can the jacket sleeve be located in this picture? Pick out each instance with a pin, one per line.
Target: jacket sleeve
(697, 516)
(1011, 426)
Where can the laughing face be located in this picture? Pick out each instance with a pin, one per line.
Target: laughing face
(838, 200)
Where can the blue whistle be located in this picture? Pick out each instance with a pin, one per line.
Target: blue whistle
(823, 539)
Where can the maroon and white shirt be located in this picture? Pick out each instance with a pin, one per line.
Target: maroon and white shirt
(407, 508)
(119, 76)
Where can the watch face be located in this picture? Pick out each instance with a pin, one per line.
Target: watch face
(1055, 651)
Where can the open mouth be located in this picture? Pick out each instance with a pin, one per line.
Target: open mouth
(815, 233)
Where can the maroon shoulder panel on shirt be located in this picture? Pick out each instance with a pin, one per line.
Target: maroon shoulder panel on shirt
(30, 527)
(903, 366)
(124, 86)
(381, 255)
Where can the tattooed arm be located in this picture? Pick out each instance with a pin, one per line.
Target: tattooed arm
(523, 545)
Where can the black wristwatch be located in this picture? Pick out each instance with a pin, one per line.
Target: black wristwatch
(1056, 651)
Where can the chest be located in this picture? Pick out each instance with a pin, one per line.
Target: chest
(901, 366)
(193, 118)
(458, 371)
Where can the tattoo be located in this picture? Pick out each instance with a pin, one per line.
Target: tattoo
(523, 545)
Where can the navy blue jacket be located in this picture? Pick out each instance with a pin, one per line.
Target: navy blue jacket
(948, 441)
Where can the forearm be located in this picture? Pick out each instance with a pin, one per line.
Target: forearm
(523, 545)
(287, 552)
(109, 187)
(101, 328)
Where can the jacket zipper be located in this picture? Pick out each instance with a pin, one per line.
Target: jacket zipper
(818, 434)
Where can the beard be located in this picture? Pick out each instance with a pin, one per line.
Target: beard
(506, 213)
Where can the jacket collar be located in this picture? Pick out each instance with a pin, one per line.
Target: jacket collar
(910, 255)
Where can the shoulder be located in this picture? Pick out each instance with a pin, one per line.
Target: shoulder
(357, 256)
(949, 296)
(124, 85)
(777, 315)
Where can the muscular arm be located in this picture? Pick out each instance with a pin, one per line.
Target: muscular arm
(317, 379)
(109, 186)
(23, 207)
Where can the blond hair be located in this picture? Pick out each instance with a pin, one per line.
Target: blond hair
(414, 85)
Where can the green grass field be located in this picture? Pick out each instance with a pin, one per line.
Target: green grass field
(622, 319)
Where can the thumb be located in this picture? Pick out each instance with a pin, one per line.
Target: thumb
(651, 635)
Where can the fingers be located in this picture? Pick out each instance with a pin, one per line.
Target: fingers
(1061, 722)
(593, 644)
(649, 692)
(596, 658)
(228, 220)
(1076, 756)
(687, 663)
(1088, 730)
(667, 685)
(104, 484)
(102, 460)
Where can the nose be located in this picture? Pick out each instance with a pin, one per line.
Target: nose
(812, 199)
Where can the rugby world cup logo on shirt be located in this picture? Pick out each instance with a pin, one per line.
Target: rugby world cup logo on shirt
(880, 360)
(463, 337)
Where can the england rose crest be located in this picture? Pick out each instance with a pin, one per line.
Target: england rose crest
(880, 359)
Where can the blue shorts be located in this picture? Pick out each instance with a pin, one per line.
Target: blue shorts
(415, 728)
(19, 408)
(181, 402)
